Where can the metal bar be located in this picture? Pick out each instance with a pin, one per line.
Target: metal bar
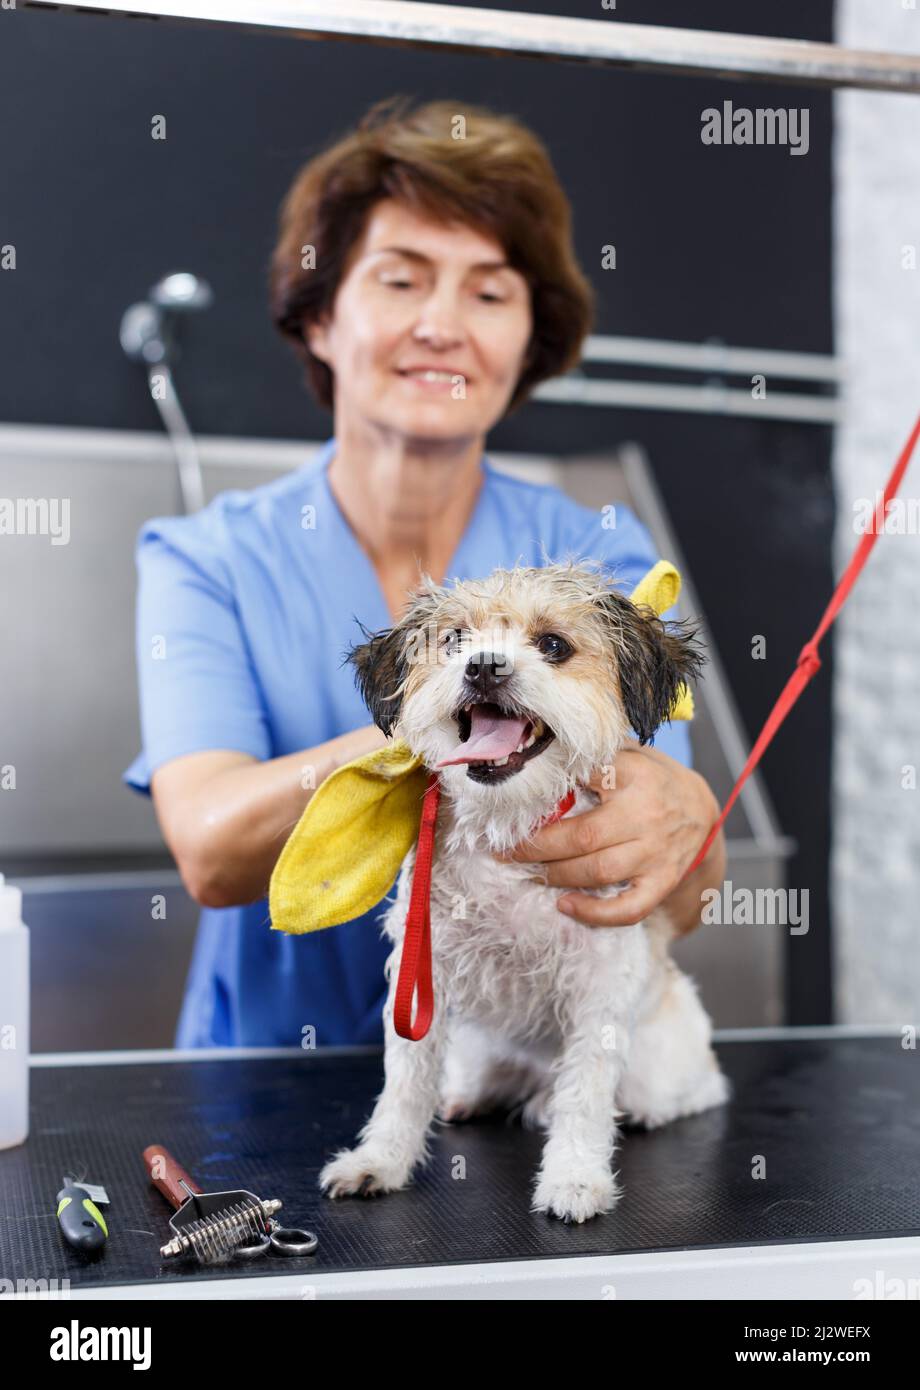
(599, 42)
(145, 448)
(780, 847)
(701, 400)
(713, 357)
(111, 881)
(807, 1031)
(806, 1269)
(146, 1056)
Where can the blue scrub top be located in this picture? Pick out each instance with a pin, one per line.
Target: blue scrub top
(244, 613)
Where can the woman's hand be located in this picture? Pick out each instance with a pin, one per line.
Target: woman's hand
(653, 816)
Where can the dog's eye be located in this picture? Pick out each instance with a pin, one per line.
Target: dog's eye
(450, 641)
(554, 647)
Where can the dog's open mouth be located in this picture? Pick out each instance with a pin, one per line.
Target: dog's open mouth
(496, 743)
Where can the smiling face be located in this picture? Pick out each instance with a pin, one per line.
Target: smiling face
(429, 330)
(519, 686)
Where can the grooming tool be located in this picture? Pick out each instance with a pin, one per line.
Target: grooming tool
(283, 1240)
(208, 1225)
(82, 1223)
(215, 1225)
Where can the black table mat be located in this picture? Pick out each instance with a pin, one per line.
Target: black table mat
(835, 1121)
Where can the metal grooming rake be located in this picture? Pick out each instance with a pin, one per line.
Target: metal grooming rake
(209, 1225)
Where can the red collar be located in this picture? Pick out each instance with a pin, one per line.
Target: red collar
(415, 965)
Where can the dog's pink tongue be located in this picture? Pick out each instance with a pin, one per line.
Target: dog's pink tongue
(492, 735)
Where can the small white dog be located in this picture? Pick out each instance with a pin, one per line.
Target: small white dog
(516, 689)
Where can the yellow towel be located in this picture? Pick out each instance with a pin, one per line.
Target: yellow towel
(357, 828)
(346, 849)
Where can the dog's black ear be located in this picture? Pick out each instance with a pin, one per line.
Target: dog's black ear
(653, 659)
(380, 669)
(382, 663)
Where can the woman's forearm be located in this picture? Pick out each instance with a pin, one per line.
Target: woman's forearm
(685, 906)
(243, 815)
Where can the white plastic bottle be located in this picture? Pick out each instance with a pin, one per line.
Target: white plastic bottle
(14, 1018)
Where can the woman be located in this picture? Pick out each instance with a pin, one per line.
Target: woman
(424, 272)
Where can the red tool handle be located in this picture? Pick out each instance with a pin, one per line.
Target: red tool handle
(167, 1175)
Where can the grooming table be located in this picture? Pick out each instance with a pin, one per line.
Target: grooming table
(834, 1113)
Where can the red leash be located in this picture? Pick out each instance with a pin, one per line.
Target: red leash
(809, 663)
(415, 965)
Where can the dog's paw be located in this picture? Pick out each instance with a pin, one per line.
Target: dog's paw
(362, 1172)
(576, 1197)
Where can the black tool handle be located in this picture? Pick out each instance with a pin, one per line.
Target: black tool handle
(82, 1223)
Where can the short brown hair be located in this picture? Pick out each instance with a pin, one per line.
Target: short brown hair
(498, 179)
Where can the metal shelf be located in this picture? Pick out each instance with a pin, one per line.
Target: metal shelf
(599, 42)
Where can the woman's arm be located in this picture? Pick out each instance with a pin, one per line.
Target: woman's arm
(226, 815)
(685, 903)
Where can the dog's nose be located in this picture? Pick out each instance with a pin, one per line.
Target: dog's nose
(487, 671)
